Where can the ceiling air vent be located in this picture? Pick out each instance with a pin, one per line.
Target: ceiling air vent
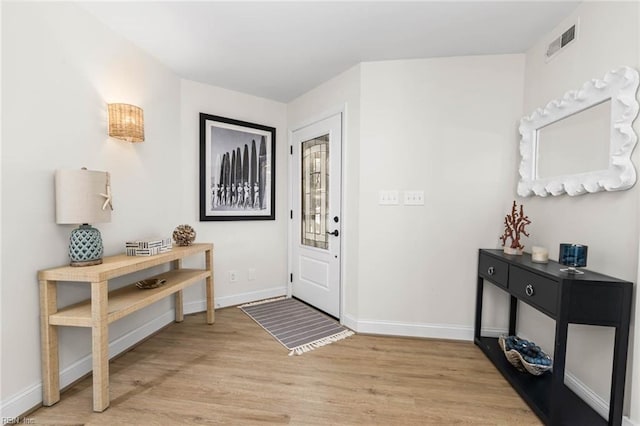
(562, 41)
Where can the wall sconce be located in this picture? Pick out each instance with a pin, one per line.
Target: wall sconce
(126, 122)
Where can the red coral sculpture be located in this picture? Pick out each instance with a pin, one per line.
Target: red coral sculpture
(514, 224)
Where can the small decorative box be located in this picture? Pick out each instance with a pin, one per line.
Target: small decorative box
(148, 246)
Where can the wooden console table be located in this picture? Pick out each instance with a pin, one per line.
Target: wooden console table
(589, 298)
(105, 307)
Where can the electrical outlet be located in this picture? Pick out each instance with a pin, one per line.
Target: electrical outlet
(388, 197)
(414, 198)
(233, 276)
(251, 275)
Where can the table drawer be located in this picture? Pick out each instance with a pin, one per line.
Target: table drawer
(495, 270)
(534, 289)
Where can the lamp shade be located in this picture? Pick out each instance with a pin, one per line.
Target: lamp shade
(82, 196)
(126, 122)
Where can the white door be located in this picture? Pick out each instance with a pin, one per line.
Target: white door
(316, 214)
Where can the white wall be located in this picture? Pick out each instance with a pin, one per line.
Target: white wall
(239, 245)
(340, 93)
(606, 222)
(449, 127)
(60, 67)
(446, 126)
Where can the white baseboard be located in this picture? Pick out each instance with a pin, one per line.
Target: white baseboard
(252, 296)
(20, 403)
(31, 397)
(194, 307)
(592, 399)
(626, 421)
(432, 331)
(586, 394)
(455, 332)
(349, 322)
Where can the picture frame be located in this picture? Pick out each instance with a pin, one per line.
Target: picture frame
(237, 170)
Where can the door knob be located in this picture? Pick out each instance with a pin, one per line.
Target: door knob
(334, 233)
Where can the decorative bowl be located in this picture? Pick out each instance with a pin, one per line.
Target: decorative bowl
(150, 283)
(543, 363)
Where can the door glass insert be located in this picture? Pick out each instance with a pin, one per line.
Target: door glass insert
(315, 192)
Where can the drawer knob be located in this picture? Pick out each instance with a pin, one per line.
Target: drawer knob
(529, 290)
(491, 270)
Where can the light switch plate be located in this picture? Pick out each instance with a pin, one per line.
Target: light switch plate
(414, 198)
(388, 197)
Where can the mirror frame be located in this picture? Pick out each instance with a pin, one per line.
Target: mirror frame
(620, 87)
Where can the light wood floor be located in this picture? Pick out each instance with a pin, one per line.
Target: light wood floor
(233, 372)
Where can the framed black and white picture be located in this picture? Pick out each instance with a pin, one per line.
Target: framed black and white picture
(237, 169)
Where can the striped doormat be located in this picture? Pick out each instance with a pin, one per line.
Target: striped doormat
(297, 326)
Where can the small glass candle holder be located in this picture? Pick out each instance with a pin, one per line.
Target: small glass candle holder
(574, 256)
(539, 254)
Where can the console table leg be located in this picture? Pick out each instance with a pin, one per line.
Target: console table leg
(178, 300)
(479, 293)
(179, 306)
(618, 376)
(49, 342)
(513, 315)
(209, 286)
(100, 345)
(557, 378)
(620, 346)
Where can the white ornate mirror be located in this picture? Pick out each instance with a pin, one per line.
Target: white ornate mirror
(582, 142)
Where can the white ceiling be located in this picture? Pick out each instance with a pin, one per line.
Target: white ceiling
(280, 50)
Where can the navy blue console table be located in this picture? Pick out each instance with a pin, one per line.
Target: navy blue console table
(588, 298)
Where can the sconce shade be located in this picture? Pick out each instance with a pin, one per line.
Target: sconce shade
(79, 196)
(126, 122)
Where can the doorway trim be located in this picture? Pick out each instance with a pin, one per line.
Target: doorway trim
(342, 111)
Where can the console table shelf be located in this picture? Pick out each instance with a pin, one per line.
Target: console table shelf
(105, 307)
(590, 298)
(535, 390)
(129, 299)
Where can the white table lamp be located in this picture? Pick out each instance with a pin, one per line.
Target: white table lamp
(83, 197)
